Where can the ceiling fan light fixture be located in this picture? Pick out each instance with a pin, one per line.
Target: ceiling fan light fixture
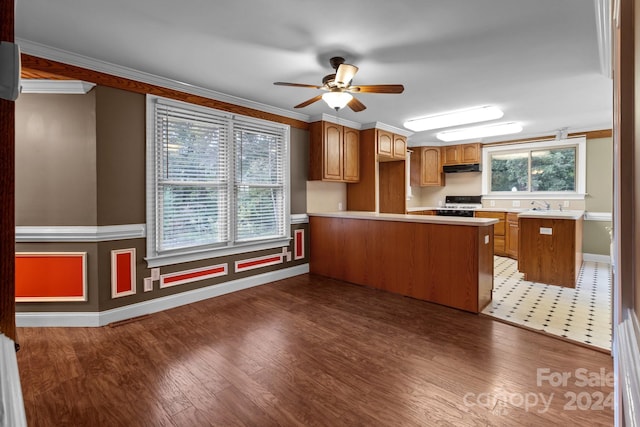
(337, 100)
(479, 132)
(454, 118)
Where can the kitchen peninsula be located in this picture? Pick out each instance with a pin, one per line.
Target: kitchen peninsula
(445, 260)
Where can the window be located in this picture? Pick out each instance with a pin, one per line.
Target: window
(216, 183)
(537, 169)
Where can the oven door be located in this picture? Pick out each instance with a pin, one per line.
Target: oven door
(455, 212)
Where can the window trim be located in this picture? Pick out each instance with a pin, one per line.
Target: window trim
(580, 143)
(155, 259)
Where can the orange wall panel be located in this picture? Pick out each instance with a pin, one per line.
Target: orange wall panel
(51, 276)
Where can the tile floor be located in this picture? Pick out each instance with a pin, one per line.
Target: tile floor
(582, 314)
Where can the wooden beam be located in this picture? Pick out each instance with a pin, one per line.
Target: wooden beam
(34, 65)
(7, 191)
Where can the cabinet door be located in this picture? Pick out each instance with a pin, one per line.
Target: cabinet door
(385, 143)
(512, 235)
(333, 156)
(431, 169)
(399, 147)
(470, 153)
(450, 155)
(351, 159)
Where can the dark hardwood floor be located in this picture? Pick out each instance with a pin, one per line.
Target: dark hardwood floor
(309, 351)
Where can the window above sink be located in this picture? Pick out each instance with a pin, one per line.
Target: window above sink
(549, 169)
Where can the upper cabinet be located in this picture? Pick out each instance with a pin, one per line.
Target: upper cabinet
(461, 154)
(334, 152)
(390, 146)
(426, 167)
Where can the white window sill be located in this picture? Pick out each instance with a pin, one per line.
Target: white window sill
(163, 260)
(533, 196)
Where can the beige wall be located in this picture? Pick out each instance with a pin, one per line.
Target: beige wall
(56, 160)
(299, 147)
(326, 196)
(120, 153)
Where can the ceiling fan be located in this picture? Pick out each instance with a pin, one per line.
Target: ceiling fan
(339, 88)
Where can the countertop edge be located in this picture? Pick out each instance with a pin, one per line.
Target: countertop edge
(427, 219)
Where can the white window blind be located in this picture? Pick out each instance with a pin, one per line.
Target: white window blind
(259, 181)
(215, 181)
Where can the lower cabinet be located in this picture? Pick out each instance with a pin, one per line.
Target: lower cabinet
(425, 212)
(512, 235)
(498, 230)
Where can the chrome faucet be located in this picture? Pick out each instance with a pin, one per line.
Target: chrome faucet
(547, 205)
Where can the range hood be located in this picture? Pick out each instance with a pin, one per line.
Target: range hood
(472, 167)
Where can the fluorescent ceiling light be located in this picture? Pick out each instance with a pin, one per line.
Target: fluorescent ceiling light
(337, 100)
(454, 118)
(479, 131)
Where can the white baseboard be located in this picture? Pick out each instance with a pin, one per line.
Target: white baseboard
(627, 352)
(603, 259)
(88, 319)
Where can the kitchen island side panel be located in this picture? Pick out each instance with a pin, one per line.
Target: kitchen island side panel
(446, 264)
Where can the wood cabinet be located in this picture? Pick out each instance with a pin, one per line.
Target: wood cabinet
(399, 147)
(446, 264)
(498, 230)
(426, 167)
(512, 235)
(390, 146)
(334, 152)
(382, 184)
(462, 154)
(550, 250)
(424, 212)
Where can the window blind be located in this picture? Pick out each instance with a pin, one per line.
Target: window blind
(215, 181)
(259, 185)
(192, 175)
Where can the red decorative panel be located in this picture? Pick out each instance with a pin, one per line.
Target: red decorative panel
(250, 264)
(298, 244)
(123, 272)
(51, 276)
(187, 276)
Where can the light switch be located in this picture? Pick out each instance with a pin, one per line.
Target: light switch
(546, 230)
(516, 203)
(148, 284)
(155, 274)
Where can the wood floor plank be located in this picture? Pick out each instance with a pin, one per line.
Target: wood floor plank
(304, 351)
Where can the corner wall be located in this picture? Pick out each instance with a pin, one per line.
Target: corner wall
(81, 169)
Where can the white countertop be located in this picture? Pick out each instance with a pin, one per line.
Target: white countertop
(552, 214)
(429, 219)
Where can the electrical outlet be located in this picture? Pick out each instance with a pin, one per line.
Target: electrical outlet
(492, 203)
(566, 204)
(516, 203)
(486, 239)
(339, 206)
(148, 284)
(155, 274)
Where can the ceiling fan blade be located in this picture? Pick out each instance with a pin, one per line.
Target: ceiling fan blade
(377, 89)
(297, 85)
(356, 105)
(344, 74)
(309, 101)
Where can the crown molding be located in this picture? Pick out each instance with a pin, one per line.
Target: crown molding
(337, 120)
(388, 128)
(55, 54)
(73, 87)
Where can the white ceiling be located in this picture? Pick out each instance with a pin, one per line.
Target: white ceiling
(537, 60)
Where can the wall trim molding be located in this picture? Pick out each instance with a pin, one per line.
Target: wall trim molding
(99, 233)
(627, 350)
(299, 219)
(70, 87)
(603, 259)
(66, 57)
(597, 216)
(102, 318)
